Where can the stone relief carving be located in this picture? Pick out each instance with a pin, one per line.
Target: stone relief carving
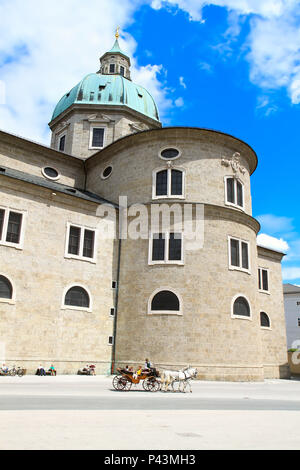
(235, 163)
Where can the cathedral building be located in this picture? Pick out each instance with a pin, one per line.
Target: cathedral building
(86, 277)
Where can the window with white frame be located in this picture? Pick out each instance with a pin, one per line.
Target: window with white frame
(168, 183)
(97, 137)
(263, 280)
(238, 254)
(77, 297)
(234, 192)
(241, 307)
(11, 227)
(264, 320)
(80, 243)
(6, 289)
(166, 248)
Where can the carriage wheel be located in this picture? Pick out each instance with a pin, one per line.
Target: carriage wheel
(115, 382)
(145, 385)
(151, 385)
(124, 384)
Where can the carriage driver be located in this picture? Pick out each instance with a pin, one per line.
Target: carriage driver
(148, 364)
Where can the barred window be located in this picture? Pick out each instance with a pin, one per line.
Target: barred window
(241, 307)
(264, 320)
(77, 297)
(6, 289)
(165, 301)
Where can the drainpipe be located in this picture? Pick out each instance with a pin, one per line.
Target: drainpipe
(113, 353)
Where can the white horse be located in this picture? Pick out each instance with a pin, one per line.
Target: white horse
(183, 376)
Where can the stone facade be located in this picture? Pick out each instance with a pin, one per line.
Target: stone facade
(120, 325)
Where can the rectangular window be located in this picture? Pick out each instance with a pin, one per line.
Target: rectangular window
(74, 241)
(234, 252)
(14, 227)
(11, 227)
(166, 248)
(111, 340)
(122, 71)
(97, 137)
(81, 243)
(158, 249)
(88, 243)
(234, 190)
(298, 321)
(239, 194)
(162, 183)
(245, 257)
(111, 68)
(175, 243)
(176, 183)
(263, 280)
(112, 312)
(230, 190)
(239, 254)
(62, 142)
(168, 183)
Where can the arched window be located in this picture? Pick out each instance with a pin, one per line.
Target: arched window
(168, 183)
(77, 297)
(241, 307)
(165, 301)
(264, 320)
(6, 290)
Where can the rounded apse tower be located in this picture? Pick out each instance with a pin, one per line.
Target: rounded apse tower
(199, 306)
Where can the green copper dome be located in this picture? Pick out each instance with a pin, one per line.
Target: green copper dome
(115, 90)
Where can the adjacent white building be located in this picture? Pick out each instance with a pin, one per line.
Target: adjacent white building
(292, 313)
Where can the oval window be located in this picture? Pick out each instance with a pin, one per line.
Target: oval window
(170, 153)
(50, 173)
(106, 172)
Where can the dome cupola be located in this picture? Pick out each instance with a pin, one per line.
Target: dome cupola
(109, 100)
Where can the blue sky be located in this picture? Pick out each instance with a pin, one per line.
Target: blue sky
(230, 65)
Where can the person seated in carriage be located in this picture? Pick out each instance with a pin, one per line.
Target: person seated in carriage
(137, 373)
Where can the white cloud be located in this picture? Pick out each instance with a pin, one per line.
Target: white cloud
(290, 273)
(182, 83)
(47, 47)
(273, 41)
(275, 224)
(276, 244)
(179, 102)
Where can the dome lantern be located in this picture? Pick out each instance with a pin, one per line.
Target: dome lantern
(115, 61)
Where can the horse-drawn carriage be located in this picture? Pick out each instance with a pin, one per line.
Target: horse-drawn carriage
(125, 378)
(153, 381)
